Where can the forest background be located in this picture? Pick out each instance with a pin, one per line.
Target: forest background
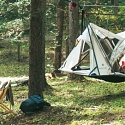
(14, 52)
(14, 22)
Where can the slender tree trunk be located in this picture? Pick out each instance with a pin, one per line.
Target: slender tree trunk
(73, 25)
(60, 22)
(37, 80)
(115, 8)
(73, 31)
(97, 3)
(97, 7)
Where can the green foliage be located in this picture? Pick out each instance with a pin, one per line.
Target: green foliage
(11, 11)
(23, 8)
(105, 17)
(14, 18)
(14, 28)
(16, 14)
(121, 18)
(51, 18)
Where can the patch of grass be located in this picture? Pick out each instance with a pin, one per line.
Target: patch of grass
(13, 69)
(9, 64)
(74, 103)
(90, 102)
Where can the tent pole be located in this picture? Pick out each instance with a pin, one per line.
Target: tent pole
(82, 22)
(84, 18)
(106, 56)
(93, 49)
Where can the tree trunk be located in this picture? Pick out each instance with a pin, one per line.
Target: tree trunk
(73, 31)
(73, 25)
(60, 22)
(97, 7)
(67, 47)
(115, 8)
(37, 80)
(57, 58)
(97, 3)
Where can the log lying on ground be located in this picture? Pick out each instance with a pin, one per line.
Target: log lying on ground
(15, 81)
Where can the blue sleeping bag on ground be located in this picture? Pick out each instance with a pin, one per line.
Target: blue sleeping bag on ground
(33, 104)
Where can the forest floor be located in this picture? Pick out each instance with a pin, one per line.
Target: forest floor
(91, 102)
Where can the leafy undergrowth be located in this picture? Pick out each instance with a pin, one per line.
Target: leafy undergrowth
(90, 102)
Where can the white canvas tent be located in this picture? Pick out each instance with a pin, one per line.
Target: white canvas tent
(122, 34)
(104, 51)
